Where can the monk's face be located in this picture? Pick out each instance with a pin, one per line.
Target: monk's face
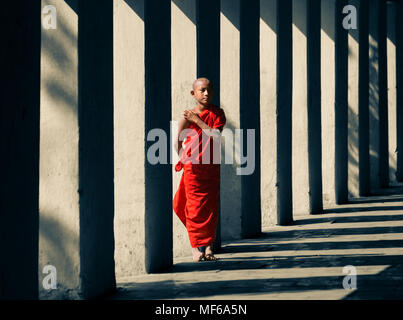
(203, 92)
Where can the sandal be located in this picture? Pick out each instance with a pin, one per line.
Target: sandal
(200, 258)
(210, 257)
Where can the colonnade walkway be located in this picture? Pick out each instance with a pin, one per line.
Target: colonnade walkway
(302, 261)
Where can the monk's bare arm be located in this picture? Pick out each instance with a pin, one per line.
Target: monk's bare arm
(193, 117)
(183, 124)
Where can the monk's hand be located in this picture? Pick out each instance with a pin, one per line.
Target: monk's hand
(191, 116)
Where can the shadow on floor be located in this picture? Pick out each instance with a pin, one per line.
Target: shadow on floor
(385, 285)
(293, 250)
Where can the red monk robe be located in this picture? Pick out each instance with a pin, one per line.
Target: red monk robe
(196, 201)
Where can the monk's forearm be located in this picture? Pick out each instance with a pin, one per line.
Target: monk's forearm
(215, 133)
(202, 125)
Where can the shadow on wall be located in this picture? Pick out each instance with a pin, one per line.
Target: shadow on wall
(229, 8)
(61, 49)
(299, 15)
(186, 8)
(352, 150)
(73, 5)
(328, 17)
(268, 14)
(374, 112)
(137, 6)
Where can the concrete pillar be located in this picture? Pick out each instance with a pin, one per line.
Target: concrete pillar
(374, 94)
(59, 205)
(399, 88)
(239, 85)
(184, 52)
(96, 158)
(284, 112)
(300, 167)
(378, 112)
(250, 114)
(314, 105)
(363, 100)
(358, 103)
(129, 109)
(231, 183)
(383, 97)
(19, 148)
(391, 74)
(341, 107)
(208, 43)
(208, 58)
(268, 106)
(158, 178)
(142, 63)
(328, 78)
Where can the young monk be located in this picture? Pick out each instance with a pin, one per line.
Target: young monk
(196, 201)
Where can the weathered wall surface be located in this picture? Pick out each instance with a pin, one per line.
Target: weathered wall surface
(58, 185)
(129, 137)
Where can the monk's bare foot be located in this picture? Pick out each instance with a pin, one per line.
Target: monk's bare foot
(209, 255)
(197, 255)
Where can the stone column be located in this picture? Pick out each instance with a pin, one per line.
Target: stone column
(19, 148)
(399, 88)
(158, 112)
(208, 59)
(374, 94)
(268, 105)
(96, 146)
(358, 103)
(314, 106)
(231, 183)
(143, 171)
(363, 100)
(391, 74)
(300, 153)
(59, 205)
(184, 52)
(383, 97)
(250, 116)
(341, 107)
(129, 136)
(284, 112)
(378, 111)
(328, 80)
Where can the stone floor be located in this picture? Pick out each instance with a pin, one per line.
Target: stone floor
(301, 261)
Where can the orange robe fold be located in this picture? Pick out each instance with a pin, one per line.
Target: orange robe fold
(197, 198)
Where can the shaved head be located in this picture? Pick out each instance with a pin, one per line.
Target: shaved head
(200, 81)
(202, 91)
